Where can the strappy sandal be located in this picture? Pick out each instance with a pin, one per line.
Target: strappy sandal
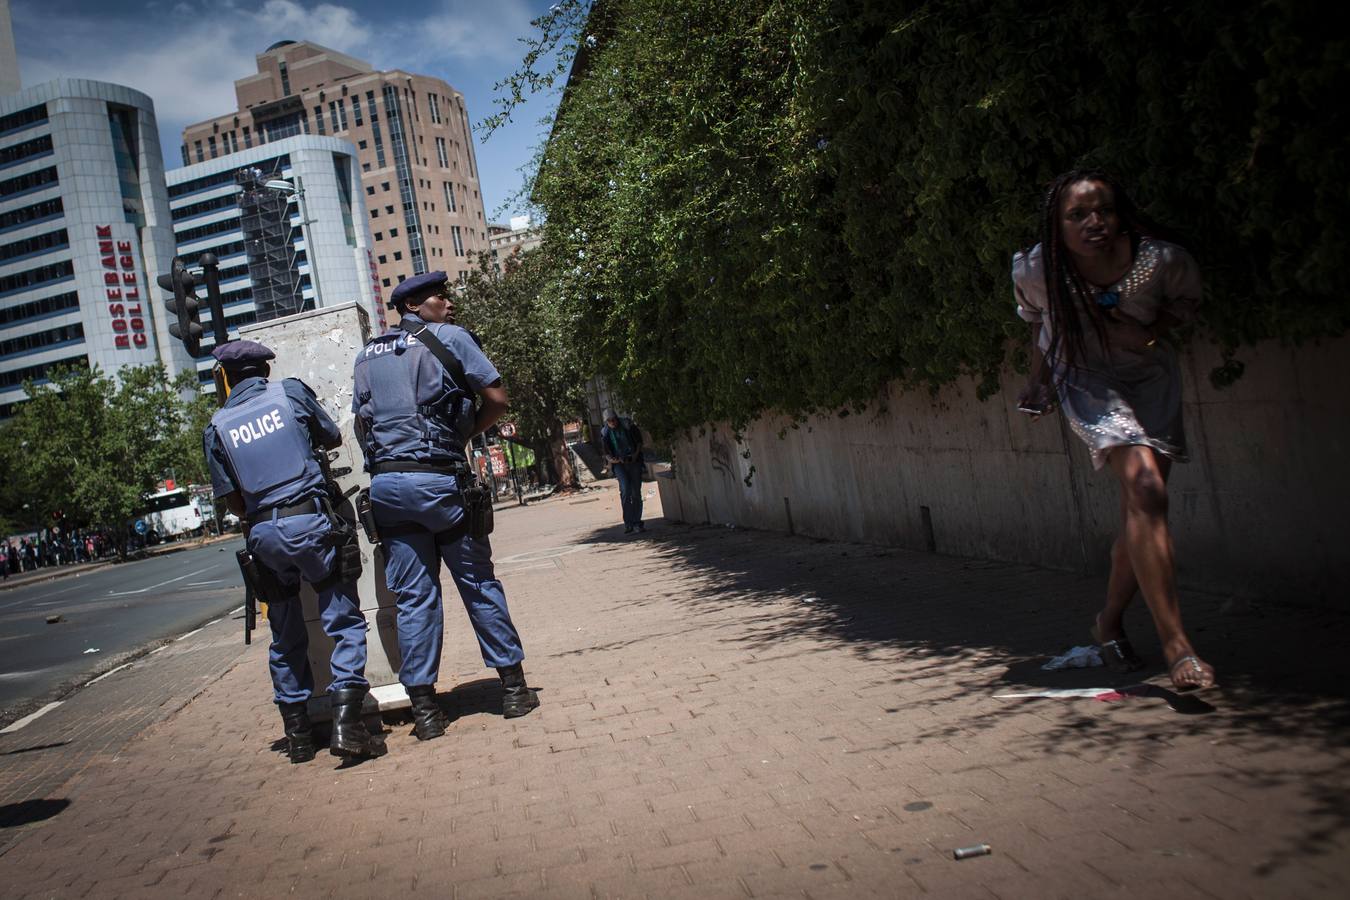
(1118, 654)
(1196, 668)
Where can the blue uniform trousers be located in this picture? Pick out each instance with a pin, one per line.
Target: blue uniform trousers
(630, 491)
(412, 571)
(296, 548)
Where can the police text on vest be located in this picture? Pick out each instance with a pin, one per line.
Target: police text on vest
(258, 428)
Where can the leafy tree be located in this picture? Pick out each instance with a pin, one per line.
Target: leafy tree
(786, 204)
(87, 448)
(528, 330)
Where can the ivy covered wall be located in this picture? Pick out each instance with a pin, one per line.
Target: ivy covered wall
(786, 204)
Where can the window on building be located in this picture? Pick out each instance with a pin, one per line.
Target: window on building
(211, 145)
(51, 338)
(318, 118)
(248, 138)
(449, 190)
(398, 255)
(389, 210)
(186, 159)
(393, 232)
(285, 79)
(47, 306)
(385, 282)
(434, 107)
(356, 111)
(442, 155)
(17, 218)
(370, 189)
(360, 145)
(379, 235)
(457, 240)
(342, 113)
(31, 246)
(374, 213)
(365, 167)
(197, 146)
(341, 168)
(332, 112)
(384, 185)
(32, 278)
(382, 259)
(17, 153)
(24, 118)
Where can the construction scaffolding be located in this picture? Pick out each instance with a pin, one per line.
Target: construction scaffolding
(269, 242)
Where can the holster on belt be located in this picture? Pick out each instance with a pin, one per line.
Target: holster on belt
(343, 538)
(365, 514)
(477, 501)
(262, 580)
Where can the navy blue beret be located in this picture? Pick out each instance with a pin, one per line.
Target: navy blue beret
(416, 287)
(242, 353)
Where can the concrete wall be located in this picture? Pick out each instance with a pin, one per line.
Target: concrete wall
(1261, 509)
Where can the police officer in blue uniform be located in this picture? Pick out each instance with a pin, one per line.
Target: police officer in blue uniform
(413, 417)
(260, 448)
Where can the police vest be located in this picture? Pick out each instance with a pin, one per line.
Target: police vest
(268, 450)
(401, 399)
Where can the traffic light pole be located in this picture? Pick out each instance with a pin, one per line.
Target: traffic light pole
(211, 274)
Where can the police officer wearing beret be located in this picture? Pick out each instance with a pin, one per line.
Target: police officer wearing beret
(413, 418)
(260, 448)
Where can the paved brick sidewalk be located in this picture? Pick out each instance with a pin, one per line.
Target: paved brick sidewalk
(733, 714)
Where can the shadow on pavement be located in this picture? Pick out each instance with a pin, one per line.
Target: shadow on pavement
(949, 630)
(14, 815)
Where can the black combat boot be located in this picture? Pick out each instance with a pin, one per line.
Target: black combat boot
(299, 737)
(350, 737)
(428, 719)
(517, 697)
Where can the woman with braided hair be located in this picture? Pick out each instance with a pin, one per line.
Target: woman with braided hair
(1103, 291)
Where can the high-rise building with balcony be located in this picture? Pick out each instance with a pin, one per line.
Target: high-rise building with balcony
(284, 222)
(414, 146)
(84, 232)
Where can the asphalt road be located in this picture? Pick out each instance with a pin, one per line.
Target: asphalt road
(107, 615)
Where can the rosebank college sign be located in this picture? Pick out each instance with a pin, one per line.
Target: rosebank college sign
(121, 285)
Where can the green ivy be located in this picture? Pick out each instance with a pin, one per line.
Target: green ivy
(784, 205)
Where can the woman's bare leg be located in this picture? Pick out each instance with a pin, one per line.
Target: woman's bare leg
(1148, 544)
(1122, 586)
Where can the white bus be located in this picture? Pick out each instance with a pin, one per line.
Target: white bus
(169, 515)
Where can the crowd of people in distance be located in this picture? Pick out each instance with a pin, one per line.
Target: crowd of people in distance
(47, 549)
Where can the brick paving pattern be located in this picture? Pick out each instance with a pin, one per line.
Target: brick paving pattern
(740, 714)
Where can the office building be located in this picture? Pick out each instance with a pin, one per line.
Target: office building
(84, 232)
(413, 142)
(507, 243)
(284, 222)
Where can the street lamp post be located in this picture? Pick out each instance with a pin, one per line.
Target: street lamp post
(296, 192)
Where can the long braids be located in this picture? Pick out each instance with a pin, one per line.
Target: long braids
(1068, 294)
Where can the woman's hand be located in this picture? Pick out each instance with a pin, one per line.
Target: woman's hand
(1037, 395)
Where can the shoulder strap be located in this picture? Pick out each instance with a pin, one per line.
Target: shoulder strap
(444, 356)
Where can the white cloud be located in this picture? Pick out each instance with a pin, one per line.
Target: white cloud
(186, 60)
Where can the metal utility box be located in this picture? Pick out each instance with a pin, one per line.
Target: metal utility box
(319, 348)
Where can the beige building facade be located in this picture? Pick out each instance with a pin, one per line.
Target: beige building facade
(414, 146)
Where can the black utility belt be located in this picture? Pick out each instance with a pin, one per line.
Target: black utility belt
(386, 468)
(310, 507)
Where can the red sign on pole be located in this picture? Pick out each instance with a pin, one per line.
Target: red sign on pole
(498, 461)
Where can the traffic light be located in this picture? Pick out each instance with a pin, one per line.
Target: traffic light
(184, 306)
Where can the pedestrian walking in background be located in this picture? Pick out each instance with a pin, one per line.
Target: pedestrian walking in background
(415, 405)
(1104, 293)
(622, 441)
(260, 448)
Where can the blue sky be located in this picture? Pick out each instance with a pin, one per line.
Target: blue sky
(186, 55)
